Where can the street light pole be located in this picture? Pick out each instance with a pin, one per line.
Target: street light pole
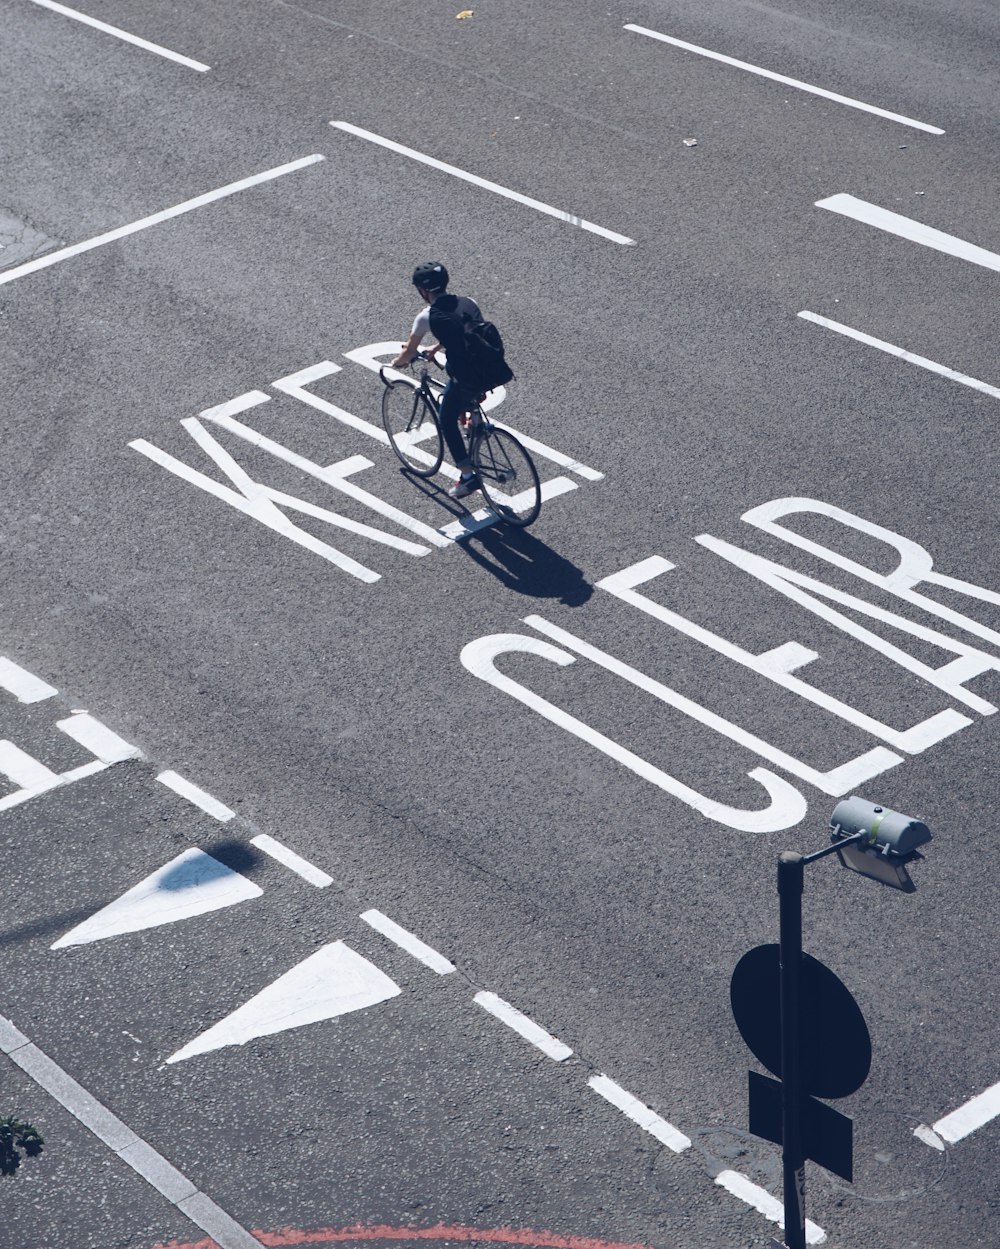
(791, 866)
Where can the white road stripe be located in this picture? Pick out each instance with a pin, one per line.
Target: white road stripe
(120, 1139)
(198, 796)
(770, 1207)
(98, 739)
(903, 354)
(523, 1026)
(639, 1113)
(974, 1114)
(788, 82)
(907, 228)
(408, 942)
(122, 34)
(292, 861)
(23, 770)
(559, 213)
(25, 687)
(51, 258)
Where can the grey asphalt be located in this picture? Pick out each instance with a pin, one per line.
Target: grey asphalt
(338, 716)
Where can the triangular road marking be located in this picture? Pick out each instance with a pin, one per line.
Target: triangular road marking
(191, 884)
(334, 981)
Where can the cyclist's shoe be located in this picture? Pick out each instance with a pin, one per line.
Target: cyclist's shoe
(466, 485)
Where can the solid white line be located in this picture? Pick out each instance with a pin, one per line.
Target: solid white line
(198, 796)
(120, 1139)
(921, 361)
(770, 1207)
(482, 182)
(974, 1114)
(25, 687)
(408, 942)
(292, 861)
(523, 1026)
(923, 1133)
(122, 34)
(639, 1113)
(788, 82)
(51, 258)
(907, 228)
(98, 738)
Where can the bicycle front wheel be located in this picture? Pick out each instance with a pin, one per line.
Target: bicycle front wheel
(413, 428)
(507, 476)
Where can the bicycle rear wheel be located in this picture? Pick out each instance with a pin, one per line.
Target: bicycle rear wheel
(507, 476)
(413, 428)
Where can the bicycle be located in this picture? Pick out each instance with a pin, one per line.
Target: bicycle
(507, 474)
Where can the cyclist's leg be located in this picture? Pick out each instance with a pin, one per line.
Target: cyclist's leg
(455, 400)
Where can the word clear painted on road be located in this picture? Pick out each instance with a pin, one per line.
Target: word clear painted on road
(962, 661)
(269, 506)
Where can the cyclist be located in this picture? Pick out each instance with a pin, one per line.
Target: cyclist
(443, 317)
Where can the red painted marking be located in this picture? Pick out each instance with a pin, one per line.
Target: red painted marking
(287, 1236)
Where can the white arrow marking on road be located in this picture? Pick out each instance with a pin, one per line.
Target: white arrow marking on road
(907, 228)
(191, 884)
(334, 981)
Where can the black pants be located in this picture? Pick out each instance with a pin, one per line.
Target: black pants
(456, 400)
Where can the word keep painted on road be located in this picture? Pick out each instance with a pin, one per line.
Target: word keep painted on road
(270, 506)
(963, 660)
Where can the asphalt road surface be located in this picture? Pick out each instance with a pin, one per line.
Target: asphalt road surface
(374, 871)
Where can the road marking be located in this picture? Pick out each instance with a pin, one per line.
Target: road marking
(770, 1207)
(923, 1133)
(788, 82)
(408, 942)
(334, 981)
(98, 738)
(523, 1026)
(51, 258)
(921, 361)
(120, 1139)
(193, 883)
(292, 861)
(559, 213)
(966, 1119)
(25, 687)
(907, 228)
(198, 796)
(24, 771)
(122, 34)
(639, 1113)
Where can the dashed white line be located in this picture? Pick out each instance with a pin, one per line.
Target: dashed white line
(972, 1115)
(769, 1206)
(122, 34)
(192, 793)
(408, 942)
(294, 862)
(788, 82)
(523, 1026)
(921, 361)
(495, 187)
(98, 738)
(120, 1139)
(639, 1113)
(64, 253)
(906, 228)
(24, 685)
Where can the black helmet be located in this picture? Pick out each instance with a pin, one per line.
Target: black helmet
(430, 276)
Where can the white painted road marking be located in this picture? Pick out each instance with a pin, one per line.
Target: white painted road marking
(193, 883)
(639, 1113)
(770, 1207)
(294, 862)
(198, 796)
(25, 687)
(122, 34)
(408, 942)
(966, 1119)
(903, 354)
(559, 213)
(51, 258)
(120, 1139)
(907, 228)
(788, 82)
(334, 981)
(523, 1026)
(102, 743)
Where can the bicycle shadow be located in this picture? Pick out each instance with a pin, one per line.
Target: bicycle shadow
(525, 564)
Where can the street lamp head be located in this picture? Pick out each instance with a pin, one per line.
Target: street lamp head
(882, 842)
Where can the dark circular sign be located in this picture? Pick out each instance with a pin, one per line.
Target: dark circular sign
(836, 1049)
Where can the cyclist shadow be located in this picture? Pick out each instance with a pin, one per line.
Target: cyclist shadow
(524, 563)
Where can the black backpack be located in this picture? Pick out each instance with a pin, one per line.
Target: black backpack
(474, 346)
